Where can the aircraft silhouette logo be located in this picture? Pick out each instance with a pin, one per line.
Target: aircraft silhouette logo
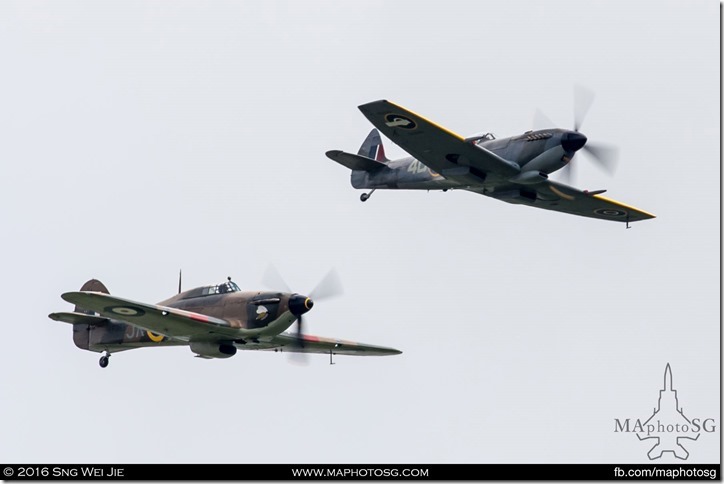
(668, 425)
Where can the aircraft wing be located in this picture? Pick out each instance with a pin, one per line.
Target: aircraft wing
(552, 195)
(439, 148)
(317, 344)
(172, 322)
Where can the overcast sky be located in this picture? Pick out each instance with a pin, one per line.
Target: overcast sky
(139, 138)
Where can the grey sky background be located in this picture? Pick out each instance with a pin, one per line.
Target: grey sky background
(139, 138)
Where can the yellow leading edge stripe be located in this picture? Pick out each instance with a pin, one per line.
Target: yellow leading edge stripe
(451, 133)
(624, 205)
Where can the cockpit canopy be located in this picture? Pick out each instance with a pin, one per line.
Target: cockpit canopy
(479, 138)
(222, 288)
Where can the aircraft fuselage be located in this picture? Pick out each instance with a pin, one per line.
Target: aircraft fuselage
(534, 151)
(259, 313)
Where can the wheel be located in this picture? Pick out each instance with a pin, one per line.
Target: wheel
(103, 361)
(364, 197)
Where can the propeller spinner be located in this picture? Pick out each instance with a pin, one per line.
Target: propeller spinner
(603, 155)
(330, 286)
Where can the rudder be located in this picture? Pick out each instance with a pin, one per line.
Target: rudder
(93, 285)
(373, 148)
(81, 332)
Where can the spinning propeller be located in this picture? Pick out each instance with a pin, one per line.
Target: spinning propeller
(330, 286)
(604, 155)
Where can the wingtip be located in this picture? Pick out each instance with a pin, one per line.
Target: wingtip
(641, 214)
(372, 103)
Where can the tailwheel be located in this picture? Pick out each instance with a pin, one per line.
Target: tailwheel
(366, 196)
(104, 360)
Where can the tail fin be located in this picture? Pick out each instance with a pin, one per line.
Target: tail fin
(373, 148)
(370, 157)
(92, 285)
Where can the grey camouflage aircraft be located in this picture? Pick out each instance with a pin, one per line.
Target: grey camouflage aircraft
(514, 169)
(214, 321)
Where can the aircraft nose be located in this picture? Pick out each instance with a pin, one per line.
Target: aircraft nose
(573, 141)
(299, 304)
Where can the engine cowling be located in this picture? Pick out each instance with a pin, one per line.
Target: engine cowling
(213, 350)
(549, 161)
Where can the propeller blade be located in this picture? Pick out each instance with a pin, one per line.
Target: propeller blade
(541, 121)
(605, 156)
(299, 356)
(274, 280)
(299, 343)
(328, 287)
(568, 174)
(583, 98)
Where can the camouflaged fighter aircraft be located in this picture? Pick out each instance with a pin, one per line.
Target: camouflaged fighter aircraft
(514, 169)
(214, 321)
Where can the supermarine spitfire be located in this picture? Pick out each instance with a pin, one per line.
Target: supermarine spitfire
(214, 321)
(514, 169)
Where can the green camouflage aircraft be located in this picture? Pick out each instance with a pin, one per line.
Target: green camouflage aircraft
(214, 321)
(514, 169)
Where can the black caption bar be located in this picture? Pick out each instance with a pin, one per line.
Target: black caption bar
(317, 472)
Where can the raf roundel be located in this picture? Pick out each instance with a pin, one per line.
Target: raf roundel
(399, 121)
(610, 212)
(126, 310)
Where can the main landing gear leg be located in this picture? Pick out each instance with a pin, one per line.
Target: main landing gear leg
(104, 360)
(330, 358)
(366, 196)
(627, 225)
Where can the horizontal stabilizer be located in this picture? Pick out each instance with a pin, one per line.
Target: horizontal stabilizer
(355, 162)
(78, 318)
